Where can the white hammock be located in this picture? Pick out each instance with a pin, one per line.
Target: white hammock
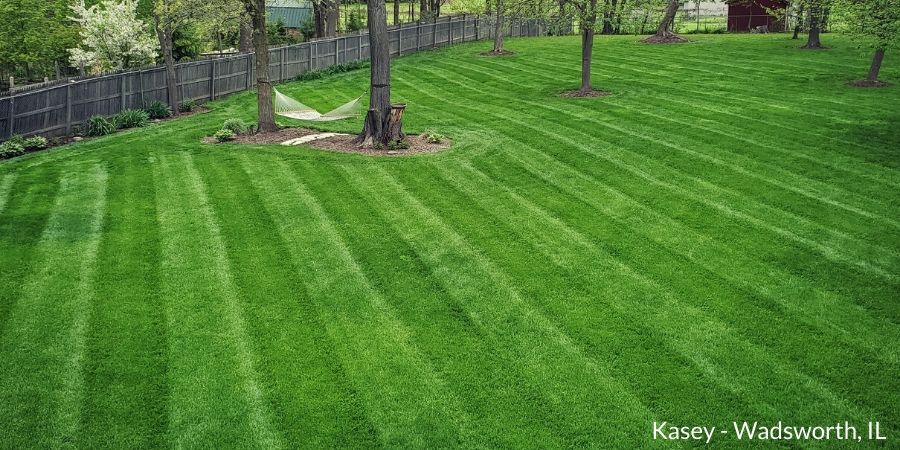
(288, 107)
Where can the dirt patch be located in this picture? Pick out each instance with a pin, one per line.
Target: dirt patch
(344, 144)
(340, 143)
(500, 53)
(670, 39)
(578, 93)
(868, 83)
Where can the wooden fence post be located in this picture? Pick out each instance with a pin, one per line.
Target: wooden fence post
(249, 73)
(476, 28)
(121, 91)
(69, 108)
(281, 69)
(434, 33)
(315, 57)
(400, 40)
(12, 115)
(141, 84)
(450, 28)
(418, 36)
(212, 79)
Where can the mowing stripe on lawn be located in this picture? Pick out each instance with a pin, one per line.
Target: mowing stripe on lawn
(695, 338)
(408, 402)
(43, 347)
(6, 185)
(728, 211)
(785, 282)
(470, 364)
(126, 371)
(855, 198)
(507, 319)
(314, 402)
(215, 398)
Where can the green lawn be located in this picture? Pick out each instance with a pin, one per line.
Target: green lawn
(717, 241)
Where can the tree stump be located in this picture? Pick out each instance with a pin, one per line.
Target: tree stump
(395, 124)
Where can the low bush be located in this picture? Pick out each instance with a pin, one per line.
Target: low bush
(158, 110)
(35, 143)
(237, 126)
(434, 138)
(340, 68)
(99, 126)
(131, 118)
(224, 135)
(15, 146)
(187, 106)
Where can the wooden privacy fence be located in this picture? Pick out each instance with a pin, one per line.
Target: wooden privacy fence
(58, 110)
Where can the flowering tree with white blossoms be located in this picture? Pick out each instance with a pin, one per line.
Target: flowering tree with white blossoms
(112, 37)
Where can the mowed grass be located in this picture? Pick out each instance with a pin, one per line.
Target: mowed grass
(716, 241)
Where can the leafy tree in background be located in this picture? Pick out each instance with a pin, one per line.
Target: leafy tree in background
(35, 36)
(878, 20)
(112, 37)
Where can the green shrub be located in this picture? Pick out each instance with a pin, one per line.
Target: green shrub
(99, 126)
(434, 138)
(237, 126)
(158, 110)
(354, 21)
(131, 118)
(340, 68)
(12, 147)
(224, 135)
(35, 143)
(187, 106)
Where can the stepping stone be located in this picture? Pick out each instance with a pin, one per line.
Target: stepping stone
(310, 138)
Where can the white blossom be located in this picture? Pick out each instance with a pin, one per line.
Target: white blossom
(112, 37)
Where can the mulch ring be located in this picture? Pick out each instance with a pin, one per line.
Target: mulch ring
(578, 93)
(868, 83)
(670, 39)
(500, 53)
(343, 143)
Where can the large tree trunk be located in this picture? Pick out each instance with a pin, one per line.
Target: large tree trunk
(498, 28)
(812, 41)
(333, 16)
(245, 39)
(320, 17)
(257, 11)
(396, 12)
(663, 31)
(587, 51)
(799, 25)
(164, 35)
(875, 68)
(377, 127)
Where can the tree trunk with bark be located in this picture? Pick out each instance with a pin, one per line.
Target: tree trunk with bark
(257, 11)
(381, 126)
(587, 53)
(164, 35)
(799, 24)
(396, 12)
(498, 28)
(812, 41)
(245, 39)
(664, 29)
(320, 17)
(875, 68)
(333, 16)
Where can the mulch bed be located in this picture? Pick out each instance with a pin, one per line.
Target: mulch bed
(868, 83)
(580, 94)
(500, 53)
(670, 39)
(342, 143)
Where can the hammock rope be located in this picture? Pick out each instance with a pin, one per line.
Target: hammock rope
(288, 107)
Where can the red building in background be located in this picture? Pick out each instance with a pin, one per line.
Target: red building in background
(747, 15)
